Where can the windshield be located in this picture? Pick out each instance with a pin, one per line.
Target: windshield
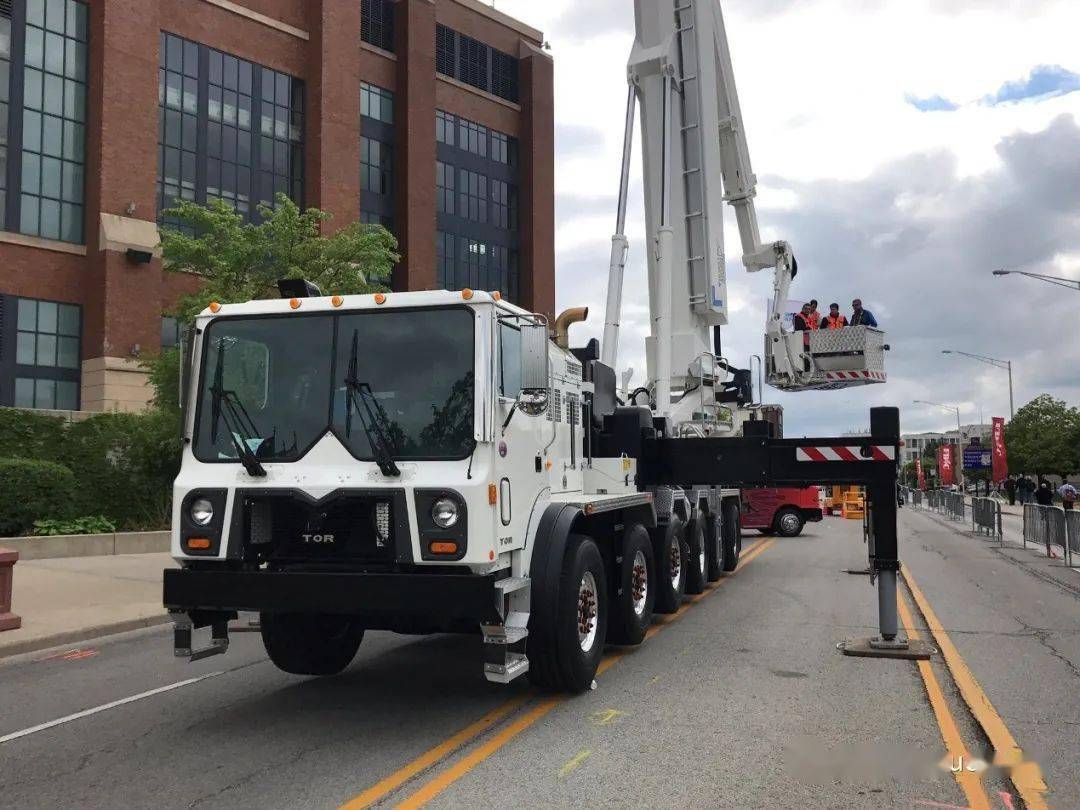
(277, 385)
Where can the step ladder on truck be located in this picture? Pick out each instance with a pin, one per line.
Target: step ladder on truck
(475, 473)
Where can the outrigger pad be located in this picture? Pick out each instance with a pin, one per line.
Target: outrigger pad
(914, 649)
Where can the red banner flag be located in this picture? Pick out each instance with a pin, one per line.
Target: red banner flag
(1001, 459)
(947, 465)
(919, 472)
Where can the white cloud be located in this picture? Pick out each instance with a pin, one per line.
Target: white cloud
(908, 209)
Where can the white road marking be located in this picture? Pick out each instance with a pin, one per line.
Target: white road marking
(104, 707)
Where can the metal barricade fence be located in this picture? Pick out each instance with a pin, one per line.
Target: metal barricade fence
(986, 517)
(916, 497)
(1072, 534)
(1048, 526)
(954, 505)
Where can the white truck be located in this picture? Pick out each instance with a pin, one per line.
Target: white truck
(443, 461)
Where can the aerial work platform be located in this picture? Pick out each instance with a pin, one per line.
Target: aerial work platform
(833, 359)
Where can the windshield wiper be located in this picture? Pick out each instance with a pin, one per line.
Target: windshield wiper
(371, 416)
(226, 406)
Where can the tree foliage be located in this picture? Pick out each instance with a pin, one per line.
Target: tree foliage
(239, 261)
(1044, 438)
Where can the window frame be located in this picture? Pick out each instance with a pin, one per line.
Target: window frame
(12, 209)
(11, 370)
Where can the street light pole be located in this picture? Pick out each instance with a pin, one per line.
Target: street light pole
(996, 363)
(959, 432)
(1068, 283)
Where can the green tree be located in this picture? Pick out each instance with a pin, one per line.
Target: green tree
(1044, 438)
(240, 261)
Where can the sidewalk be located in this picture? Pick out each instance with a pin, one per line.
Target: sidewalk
(72, 599)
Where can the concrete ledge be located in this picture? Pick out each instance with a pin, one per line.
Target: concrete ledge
(88, 545)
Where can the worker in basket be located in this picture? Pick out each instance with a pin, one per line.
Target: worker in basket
(860, 316)
(815, 316)
(834, 320)
(805, 322)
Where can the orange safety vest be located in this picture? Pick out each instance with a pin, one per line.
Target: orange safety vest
(815, 320)
(839, 322)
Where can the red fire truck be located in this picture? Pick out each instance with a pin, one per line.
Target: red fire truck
(780, 511)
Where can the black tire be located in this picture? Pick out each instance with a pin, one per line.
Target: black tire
(310, 644)
(697, 568)
(561, 663)
(788, 522)
(766, 532)
(714, 548)
(669, 548)
(730, 534)
(636, 582)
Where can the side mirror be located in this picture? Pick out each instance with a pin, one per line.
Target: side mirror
(535, 373)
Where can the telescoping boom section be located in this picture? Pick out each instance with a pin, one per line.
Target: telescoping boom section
(696, 158)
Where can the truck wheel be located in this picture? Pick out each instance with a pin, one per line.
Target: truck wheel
(729, 532)
(697, 568)
(671, 556)
(632, 605)
(569, 663)
(789, 523)
(714, 548)
(310, 644)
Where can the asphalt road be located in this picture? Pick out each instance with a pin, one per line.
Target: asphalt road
(740, 701)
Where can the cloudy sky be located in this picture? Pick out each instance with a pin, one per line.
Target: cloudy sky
(906, 148)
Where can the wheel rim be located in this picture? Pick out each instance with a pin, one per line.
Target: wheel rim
(639, 584)
(675, 564)
(789, 523)
(587, 611)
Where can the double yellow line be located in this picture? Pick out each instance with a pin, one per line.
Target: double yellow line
(444, 779)
(1026, 776)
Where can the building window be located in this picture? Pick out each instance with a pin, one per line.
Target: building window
(372, 218)
(504, 149)
(472, 137)
(444, 187)
(376, 166)
(445, 124)
(376, 103)
(473, 196)
(377, 23)
(445, 50)
(43, 117)
(228, 129)
(474, 63)
(45, 368)
(503, 205)
(444, 252)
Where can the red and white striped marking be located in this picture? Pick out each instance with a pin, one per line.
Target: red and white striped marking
(846, 376)
(878, 452)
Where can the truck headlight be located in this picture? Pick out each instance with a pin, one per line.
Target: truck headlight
(444, 513)
(201, 512)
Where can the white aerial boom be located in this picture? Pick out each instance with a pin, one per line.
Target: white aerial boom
(696, 158)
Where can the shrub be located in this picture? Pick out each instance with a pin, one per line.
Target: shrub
(95, 524)
(30, 434)
(31, 489)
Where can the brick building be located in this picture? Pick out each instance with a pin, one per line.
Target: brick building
(433, 117)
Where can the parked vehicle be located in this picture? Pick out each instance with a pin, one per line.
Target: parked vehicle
(781, 511)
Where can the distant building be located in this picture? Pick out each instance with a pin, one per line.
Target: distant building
(915, 444)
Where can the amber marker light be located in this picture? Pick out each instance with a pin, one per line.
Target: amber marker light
(493, 494)
(215, 306)
(198, 544)
(444, 547)
(337, 300)
(380, 299)
(497, 295)
(467, 294)
(294, 303)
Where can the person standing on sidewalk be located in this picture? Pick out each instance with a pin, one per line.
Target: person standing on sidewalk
(1068, 495)
(1010, 489)
(1044, 496)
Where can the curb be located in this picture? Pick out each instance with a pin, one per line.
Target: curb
(82, 634)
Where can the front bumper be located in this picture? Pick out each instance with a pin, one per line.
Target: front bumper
(438, 597)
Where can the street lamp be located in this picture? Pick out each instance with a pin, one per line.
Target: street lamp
(959, 432)
(1068, 283)
(992, 361)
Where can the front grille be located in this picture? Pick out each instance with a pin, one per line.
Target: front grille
(345, 528)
